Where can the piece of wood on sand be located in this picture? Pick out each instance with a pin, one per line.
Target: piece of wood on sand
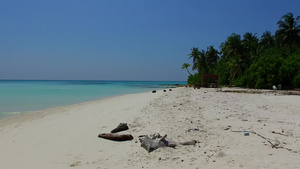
(153, 142)
(120, 127)
(192, 142)
(116, 137)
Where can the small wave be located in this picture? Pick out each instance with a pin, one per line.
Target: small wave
(9, 114)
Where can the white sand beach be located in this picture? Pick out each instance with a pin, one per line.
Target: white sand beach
(67, 137)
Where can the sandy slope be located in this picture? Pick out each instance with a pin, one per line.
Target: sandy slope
(66, 137)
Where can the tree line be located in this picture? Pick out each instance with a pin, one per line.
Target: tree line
(247, 61)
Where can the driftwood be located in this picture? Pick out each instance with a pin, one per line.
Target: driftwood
(281, 92)
(116, 137)
(287, 135)
(192, 142)
(273, 145)
(153, 142)
(120, 127)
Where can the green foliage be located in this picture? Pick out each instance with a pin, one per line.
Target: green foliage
(185, 66)
(240, 53)
(194, 79)
(288, 33)
(212, 57)
(263, 73)
(232, 47)
(204, 61)
(290, 68)
(274, 67)
(195, 56)
(267, 40)
(223, 69)
(296, 81)
(190, 80)
(251, 50)
(247, 61)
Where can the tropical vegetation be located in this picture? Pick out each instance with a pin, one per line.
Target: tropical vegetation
(249, 61)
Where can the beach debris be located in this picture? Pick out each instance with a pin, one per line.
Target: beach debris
(282, 92)
(153, 91)
(165, 90)
(75, 164)
(120, 127)
(155, 141)
(116, 137)
(246, 133)
(276, 144)
(192, 142)
(170, 89)
(227, 128)
(196, 129)
(282, 133)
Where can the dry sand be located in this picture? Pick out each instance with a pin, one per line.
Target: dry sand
(66, 137)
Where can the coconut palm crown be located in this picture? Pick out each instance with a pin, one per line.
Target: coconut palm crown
(288, 33)
(185, 66)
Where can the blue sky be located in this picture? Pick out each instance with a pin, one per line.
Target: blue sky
(122, 39)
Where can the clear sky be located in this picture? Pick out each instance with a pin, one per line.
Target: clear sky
(122, 39)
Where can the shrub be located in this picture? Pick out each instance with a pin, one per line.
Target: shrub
(296, 81)
(223, 70)
(264, 72)
(289, 69)
(194, 79)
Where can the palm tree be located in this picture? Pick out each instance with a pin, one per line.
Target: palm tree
(233, 52)
(232, 47)
(194, 54)
(288, 33)
(185, 66)
(250, 47)
(235, 65)
(199, 60)
(202, 64)
(212, 56)
(267, 40)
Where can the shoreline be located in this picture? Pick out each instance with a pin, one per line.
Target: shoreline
(44, 112)
(24, 113)
(67, 136)
(18, 97)
(225, 89)
(40, 136)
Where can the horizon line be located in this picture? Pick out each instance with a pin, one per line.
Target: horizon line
(89, 80)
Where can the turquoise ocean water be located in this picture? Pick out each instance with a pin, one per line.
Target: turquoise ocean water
(21, 96)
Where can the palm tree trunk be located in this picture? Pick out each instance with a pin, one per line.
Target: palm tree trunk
(188, 71)
(233, 78)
